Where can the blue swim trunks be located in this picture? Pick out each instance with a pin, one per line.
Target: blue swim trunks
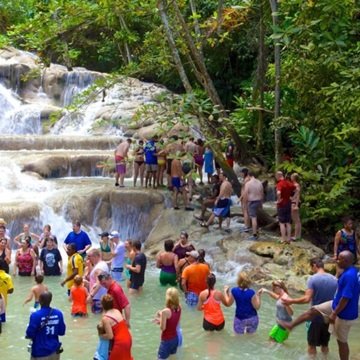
(116, 274)
(167, 348)
(2, 317)
(191, 298)
(176, 182)
(36, 305)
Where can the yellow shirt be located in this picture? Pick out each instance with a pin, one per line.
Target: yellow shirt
(75, 261)
(5, 284)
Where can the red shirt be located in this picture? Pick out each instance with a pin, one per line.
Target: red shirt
(120, 299)
(286, 189)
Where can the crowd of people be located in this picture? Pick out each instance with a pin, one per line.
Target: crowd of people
(94, 278)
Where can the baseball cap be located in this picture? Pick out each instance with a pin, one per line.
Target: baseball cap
(114, 234)
(103, 234)
(193, 253)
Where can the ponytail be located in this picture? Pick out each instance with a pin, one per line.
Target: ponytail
(211, 281)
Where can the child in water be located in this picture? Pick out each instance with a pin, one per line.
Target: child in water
(36, 291)
(78, 296)
(283, 312)
(102, 349)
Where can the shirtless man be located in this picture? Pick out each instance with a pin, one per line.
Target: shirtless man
(243, 202)
(222, 202)
(190, 146)
(174, 146)
(26, 232)
(253, 195)
(121, 154)
(177, 182)
(36, 291)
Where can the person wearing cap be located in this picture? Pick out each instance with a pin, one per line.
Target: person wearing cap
(96, 291)
(80, 238)
(118, 256)
(105, 246)
(114, 289)
(194, 278)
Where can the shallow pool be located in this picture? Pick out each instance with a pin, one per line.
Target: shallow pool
(81, 336)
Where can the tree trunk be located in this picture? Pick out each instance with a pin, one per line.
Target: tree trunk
(277, 135)
(126, 45)
(196, 24)
(178, 63)
(261, 71)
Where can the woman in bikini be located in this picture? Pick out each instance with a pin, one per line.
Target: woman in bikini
(106, 247)
(167, 261)
(139, 163)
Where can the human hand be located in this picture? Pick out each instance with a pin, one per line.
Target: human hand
(332, 318)
(287, 301)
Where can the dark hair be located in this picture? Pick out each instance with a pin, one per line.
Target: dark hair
(72, 246)
(245, 171)
(45, 298)
(201, 258)
(48, 227)
(184, 233)
(137, 244)
(168, 245)
(104, 276)
(77, 223)
(27, 239)
(39, 279)
(216, 176)
(317, 262)
(346, 219)
(107, 302)
(211, 281)
(200, 142)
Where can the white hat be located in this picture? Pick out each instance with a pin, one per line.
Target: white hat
(114, 234)
(193, 253)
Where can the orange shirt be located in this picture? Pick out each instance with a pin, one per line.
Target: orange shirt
(78, 294)
(195, 276)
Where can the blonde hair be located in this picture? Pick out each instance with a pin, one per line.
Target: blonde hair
(78, 280)
(243, 280)
(172, 299)
(280, 284)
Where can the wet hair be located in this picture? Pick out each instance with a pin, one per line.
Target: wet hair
(48, 227)
(137, 244)
(280, 284)
(77, 223)
(78, 280)
(45, 298)
(200, 142)
(210, 281)
(243, 280)
(172, 299)
(317, 262)
(39, 279)
(201, 258)
(107, 302)
(185, 234)
(27, 239)
(168, 245)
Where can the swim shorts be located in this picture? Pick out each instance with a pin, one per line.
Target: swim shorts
(211, 327)
(284, 214)
(191, 298)
(279, 334)
(253, 207)
(167, 278)
(176, 182)
(151, 167)
(116, 274)
(246, 326)
(121, 168)
(168, 347)
(318, 334)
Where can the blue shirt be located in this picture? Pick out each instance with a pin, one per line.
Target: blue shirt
(45, 332)
(80, 239)
(348, 288)
(150, 151)
(244, 307)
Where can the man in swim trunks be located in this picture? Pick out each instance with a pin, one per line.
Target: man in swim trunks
(121, 153)
(172, 148)
(209, 201)
(177, 183)
(222, 202)
(193, 278)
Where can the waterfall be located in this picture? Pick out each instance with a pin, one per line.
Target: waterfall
(76, 81)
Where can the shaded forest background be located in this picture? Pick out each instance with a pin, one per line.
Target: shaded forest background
(220, 56)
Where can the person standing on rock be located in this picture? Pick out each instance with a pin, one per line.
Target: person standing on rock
(342, 311)
(151, 165)
(284, 190)
(172, 148)
(254, 197)
(295, 206)
(139, 163)
(121, 154)
(222, 202)
(137, 269)
(78, 237)
(321, 287)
